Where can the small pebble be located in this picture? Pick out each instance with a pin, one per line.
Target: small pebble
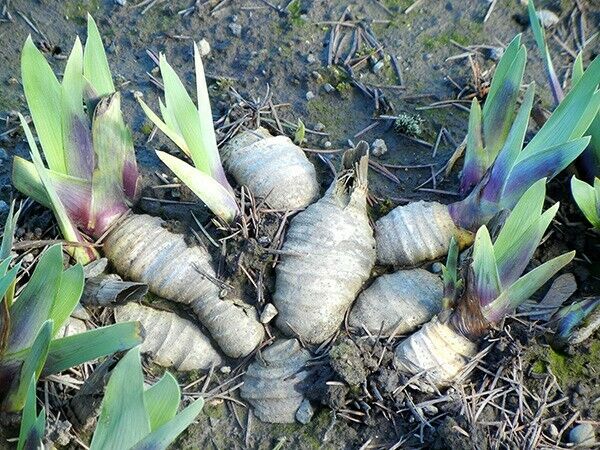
(311, 58)
(327, 144)
(430, 410)
(582, 435)
(319, 127)
(552, 431)
(225, 370)
(547, 17)
(328, 87)
(436, 267)
(317, 76)
(121, 2)
(28, 258)
(379, 148)
(494, 53)
(268, 312)
(378, 66)
(236, 29)
(203, 47)
(310, 95)
(305, 412)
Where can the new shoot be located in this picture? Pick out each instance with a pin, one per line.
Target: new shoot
(91, 181)
(499, 174)
(493, 288)
(191, 129)
(31, 321)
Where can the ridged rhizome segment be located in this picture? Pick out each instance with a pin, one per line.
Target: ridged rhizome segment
(172, 340)
(327, 255)
(417, 232)
(273, 168)
(398, 302)
(274, 381)
(141, 249)
(437, 351)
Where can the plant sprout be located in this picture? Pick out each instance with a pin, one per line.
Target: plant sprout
(589, 162)
(587, 198)
(421, 231)
(92, 178)
(135, 417)
(92, 175)
(30, 321)
(494, 288)
(132, 417)
(191, 129)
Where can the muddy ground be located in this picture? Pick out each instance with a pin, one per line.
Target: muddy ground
(258, 45)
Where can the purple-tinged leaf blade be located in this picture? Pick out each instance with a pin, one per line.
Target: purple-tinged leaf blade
(77, 139)
(571, 316)
(511, 149)
(74, 193)
(113, 146)
(32, 367)
(524, 287)
(501, 112)
(476, 158)
(543, 164)
(35, 303)
(573, 115)
(66, 225)
(486, 282)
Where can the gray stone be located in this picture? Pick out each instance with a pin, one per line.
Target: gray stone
(204, 47)
(3, 154)
(582, 435)
(328, 87)
(268, 312)
(236, 29)
(311, 58)
(436, 267)
(378, 66)
(310, 95)
(305, 412)
(547, 17)
(379, 148)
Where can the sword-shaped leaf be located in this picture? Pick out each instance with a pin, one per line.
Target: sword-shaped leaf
(540, 39)
(31, 368)
(220, 201)
(43, 94)
(123, 419)
(77, 139)
(95, 64)
(161, 438)
(485, 272)
(36, 301)
(68, 295)
(32, 425)
(162, 401)
(587, 198)
(73, 350)
(476, 157)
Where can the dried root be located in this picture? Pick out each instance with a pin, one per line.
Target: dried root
(328, 254)
(417, 232)
(273, 168)
(173, 341)
(273, 381)
(437, 351)
(141, 249)
(398, 302)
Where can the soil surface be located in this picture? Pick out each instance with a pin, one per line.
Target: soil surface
(282, 48)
